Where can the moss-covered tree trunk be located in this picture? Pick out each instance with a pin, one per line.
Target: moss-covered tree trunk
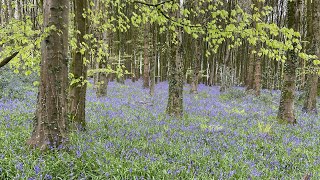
(286, 107)
(79, 69)
(313, 33)
(175, 99)
(50, 128)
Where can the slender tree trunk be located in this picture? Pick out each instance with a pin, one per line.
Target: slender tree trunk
(102, 81)
(146, 70)
(134, 67)
(254, 80)
(225, 82)
(153, 62)
(257, 76)
(6, 11)
(250, 71)
(10, 9)
(1, 18)
(50, 130)
(79, 69)
(313, 33)
(195, 67)
(286, 107)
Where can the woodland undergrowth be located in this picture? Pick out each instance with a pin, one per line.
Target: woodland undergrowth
(232, 135)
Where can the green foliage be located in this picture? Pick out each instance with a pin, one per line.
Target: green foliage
(19, 36)
(222, 25)
(265, 128)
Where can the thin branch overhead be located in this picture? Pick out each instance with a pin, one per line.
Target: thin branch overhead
(166, 16)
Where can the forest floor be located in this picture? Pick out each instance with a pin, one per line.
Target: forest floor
(221, 136)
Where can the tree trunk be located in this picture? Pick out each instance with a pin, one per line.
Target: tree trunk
(195, 67)
(1, 7)
(79, 70)
(146, 62)
(102, 81)
(175, 99)
(6, 12)
(225, 76)
(50, 130)
(153, 62)
(250, 71)
(257, 76)
(286, 107)
(313, 33)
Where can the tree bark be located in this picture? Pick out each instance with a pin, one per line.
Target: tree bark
(313, 32)
(153, 62)
(257, 76)
(254, 80)
(250, 71)
(286, 107)
(79, 70)
(146, 69)
(175, 99)
(195, 67)
(50, 130)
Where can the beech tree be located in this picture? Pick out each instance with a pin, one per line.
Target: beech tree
(313, 33)
(286, 107)
(78, 68)
(175, 99)
(50, 122)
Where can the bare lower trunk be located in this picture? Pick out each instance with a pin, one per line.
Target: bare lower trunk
(102, 84)
(257, 77)
(195, 63)
(146, 69)
(153, 62)
(286, 107)
(225, 84)
(50, 130)
(310, 102)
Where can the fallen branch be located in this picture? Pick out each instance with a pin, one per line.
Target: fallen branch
(8, 59)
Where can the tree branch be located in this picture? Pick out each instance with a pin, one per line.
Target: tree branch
(181, 24)
(153, 5)
(8, 59)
